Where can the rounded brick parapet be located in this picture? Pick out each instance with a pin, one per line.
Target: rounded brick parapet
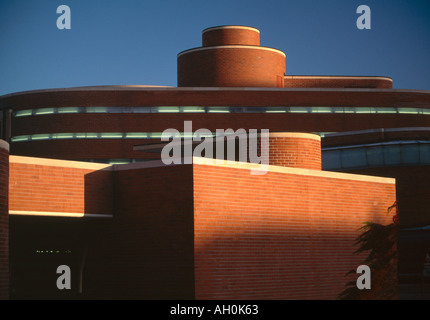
(338, 82)
(297, 150)
(4, 146)
(231, 66)
(4, 220)
(231, 56)
(227, 35)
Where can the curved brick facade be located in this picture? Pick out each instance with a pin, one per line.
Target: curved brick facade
(225, 35)
(231, 66)
(298, 150)
(4, 220)
(284, 149)
(124, 97)
(129, 96)
(337, 82)
(231, 57)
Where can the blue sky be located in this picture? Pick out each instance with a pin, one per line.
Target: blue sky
(134, 42)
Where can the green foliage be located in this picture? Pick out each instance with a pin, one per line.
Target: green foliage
(381, 243)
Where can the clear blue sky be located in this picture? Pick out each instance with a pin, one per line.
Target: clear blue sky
(133, 42)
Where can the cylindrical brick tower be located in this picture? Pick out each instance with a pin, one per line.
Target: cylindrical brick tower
(4, 220)
(290, 149)
(231, 56)
(230, 35)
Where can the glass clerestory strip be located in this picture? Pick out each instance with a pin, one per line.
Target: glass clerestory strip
(393, 153)
(108, 135)
(119, 135)
(218, 109)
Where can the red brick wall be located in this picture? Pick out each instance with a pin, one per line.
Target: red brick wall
(54, 188)
(413, 193)
(279, 236)
(295, 150)
(4, 221)
(337, 82)
(217, 36)
(287, 149)
(173, 238)
(130, 96)
(277, 122)
(230, 67)
(243, 64)
(147, 252)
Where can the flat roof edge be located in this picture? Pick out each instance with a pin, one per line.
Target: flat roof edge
(291, 170)
(58, 163)
(114, 88)
(58, 214)
(339, 77)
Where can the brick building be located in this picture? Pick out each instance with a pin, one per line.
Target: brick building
(85, 183)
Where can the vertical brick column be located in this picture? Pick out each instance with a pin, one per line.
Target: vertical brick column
(4, 220)
(291, 149)
(298, 150)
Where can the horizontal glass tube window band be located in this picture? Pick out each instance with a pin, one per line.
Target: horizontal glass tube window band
(110, 135)
(220, 109)
(393, 153)
(117, 161)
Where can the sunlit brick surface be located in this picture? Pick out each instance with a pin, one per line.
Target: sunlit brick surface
(47, 187)
(279, 236)
(295, 150)
(226, 35)
(234, 66)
